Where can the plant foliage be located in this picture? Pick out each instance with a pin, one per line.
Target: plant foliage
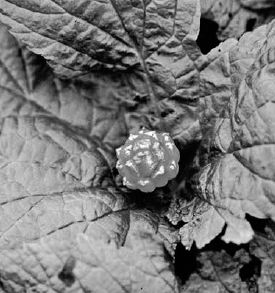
(76, 77)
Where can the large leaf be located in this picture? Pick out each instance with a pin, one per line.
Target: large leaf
(235, 176)
(56, 168)
(157, 37)
(88, 266)
(57, 143)
(151, 46)
(224, 68)
(239, 177)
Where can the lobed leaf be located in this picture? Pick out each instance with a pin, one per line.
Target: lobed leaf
(157, 38)
(239, 177)
(235, 173)
(56, 168)
(150, 45)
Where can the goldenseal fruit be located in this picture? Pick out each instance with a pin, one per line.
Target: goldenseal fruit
(147, 160)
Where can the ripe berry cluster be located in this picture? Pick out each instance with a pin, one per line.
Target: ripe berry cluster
(147, 160)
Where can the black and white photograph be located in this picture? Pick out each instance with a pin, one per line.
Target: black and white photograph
(137, 146)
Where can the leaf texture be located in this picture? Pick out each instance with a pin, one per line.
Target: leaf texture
(56, 168)
(63, 211)
(234, 172)
(51, 266)
(224, 68)
(150, 45)
(57, 184)
(239, 176)
(156, 37)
